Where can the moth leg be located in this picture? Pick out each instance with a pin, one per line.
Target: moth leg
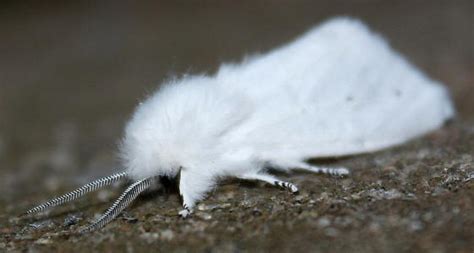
(290, 165)
(192, 187)
(341, 171)
(271, 180)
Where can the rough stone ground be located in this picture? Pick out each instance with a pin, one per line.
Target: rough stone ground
(418, 197)
(58, 130)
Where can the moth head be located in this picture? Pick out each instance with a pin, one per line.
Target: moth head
(171, 129)
(144, 158)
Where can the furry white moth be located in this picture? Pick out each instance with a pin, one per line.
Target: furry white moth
(337, 90)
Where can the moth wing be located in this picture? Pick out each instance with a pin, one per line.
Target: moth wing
(337, 90)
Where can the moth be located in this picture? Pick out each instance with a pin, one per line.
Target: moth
(337, 90)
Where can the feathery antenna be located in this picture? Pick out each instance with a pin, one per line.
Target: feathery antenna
(70, 196)
(121, 203)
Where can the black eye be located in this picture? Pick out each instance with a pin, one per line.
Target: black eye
(168, 182)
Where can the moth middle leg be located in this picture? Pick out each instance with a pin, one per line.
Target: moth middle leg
(271, 180)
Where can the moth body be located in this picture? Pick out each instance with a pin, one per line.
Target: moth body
(337, 90)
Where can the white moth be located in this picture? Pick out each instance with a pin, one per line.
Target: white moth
(337, 90)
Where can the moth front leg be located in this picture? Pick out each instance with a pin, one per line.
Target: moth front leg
(192, 188)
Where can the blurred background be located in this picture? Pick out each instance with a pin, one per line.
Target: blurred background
(71, 72)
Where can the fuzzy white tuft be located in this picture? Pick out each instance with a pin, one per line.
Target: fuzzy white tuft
(337, 90)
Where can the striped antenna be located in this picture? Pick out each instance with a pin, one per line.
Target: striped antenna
(121, 203)
(70, 196)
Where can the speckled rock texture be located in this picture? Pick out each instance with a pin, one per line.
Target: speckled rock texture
(71, 74)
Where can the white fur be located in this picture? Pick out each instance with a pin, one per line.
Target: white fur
(337, 90)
